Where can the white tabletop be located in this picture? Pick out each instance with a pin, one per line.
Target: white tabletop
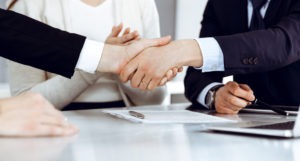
(104, 138)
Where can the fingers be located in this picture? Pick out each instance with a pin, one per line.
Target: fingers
(116, 30)
(137, 79)
(129, 71)
(227, 105)
(235, 103)
(127, 31)
(144, 83)
(170, 74)
(50, 120)
(129, 37)
(162, 41)
(154, 83)
(237, 91)
(233, 97)
(175, 71)
(163, 81)
(146, 43)
(249, 90)
(51, 130)
(224, 110)
(180, 69)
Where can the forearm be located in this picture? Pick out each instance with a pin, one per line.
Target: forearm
(61, 91)
(187, 51)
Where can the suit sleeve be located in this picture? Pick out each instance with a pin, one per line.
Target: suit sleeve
(195, 81)
(263, 50)
(33, 43)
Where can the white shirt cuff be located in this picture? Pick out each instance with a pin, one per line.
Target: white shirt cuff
(201, 97)
(213, 59)
(90, 56)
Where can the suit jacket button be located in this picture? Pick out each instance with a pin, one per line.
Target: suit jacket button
(245, 61)
(251, 61)
(255, 61)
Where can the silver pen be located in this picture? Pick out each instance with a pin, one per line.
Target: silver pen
(137, 114)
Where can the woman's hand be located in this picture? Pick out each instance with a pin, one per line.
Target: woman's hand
(126, 38)
(31, 115)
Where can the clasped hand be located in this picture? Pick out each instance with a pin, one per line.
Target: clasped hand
(140, 61)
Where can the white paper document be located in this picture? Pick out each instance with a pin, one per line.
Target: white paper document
(164, 117)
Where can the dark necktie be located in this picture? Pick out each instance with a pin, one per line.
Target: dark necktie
(257, 21)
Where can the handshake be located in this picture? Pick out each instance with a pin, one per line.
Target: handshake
(147, 63)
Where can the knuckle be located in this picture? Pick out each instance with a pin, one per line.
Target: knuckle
(30, 126)
(249, 96)
(232, 100)
(56, 131)
(229, 83)
(235, 91)
(134, 84)
(144, 68)
(126, 72)
(157, 76)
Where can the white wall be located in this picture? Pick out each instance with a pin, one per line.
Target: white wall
(188, 18)
(167, 13)
(2, 2)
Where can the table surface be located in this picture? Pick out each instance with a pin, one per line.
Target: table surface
(105, 138)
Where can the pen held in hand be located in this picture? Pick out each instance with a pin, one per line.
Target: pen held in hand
(277, 110)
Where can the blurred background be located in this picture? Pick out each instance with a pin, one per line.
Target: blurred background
(179, 18)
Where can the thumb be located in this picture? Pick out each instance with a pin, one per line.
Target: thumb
(157, 42)
(137, 47)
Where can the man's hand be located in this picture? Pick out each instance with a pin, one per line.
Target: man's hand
(114, 57)
(148, 69)
(126, 38)
(233, 97)
(30, 115)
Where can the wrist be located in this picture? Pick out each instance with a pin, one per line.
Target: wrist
(190, 53)
(112, 59)
(211, 96)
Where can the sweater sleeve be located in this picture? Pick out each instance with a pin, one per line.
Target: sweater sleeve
(58, 90)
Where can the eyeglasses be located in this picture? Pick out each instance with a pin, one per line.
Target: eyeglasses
(265, 105)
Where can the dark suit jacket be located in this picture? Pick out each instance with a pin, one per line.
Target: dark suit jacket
(267, 60)
(30, 42)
